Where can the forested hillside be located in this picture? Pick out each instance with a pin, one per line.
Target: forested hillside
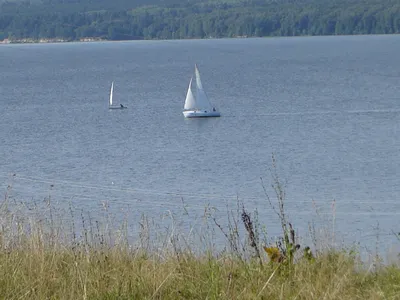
(178, 19)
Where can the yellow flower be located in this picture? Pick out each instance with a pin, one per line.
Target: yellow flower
(274, 254)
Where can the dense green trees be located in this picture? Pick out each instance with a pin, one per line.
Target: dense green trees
(177, 19)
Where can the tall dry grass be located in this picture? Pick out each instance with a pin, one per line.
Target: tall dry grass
(120, 273)
(41, 257)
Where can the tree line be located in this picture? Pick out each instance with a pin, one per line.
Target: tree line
(174, 19)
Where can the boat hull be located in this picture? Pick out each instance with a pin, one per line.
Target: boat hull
(116, 107)
(200, 114)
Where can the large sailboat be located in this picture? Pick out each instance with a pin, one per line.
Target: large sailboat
(111, 106)
(199, 106)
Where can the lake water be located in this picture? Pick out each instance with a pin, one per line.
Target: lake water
(327, 107)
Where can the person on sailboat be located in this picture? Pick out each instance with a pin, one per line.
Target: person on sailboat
(213, 108)
(121, 106)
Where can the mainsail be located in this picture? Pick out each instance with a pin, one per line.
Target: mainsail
(111, 93)
(202, 101)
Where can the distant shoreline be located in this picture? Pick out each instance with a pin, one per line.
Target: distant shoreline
(94, 39)
(50, 41)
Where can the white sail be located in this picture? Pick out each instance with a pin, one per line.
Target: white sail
(198, 80)
(190, 102)
(199, 106)
(111, 93)
(202, 101)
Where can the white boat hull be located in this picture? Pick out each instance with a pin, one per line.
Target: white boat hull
(200, 114)
(117, 107)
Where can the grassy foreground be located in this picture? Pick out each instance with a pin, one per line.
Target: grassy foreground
(42, 258)
(37, 261)
(31, 273)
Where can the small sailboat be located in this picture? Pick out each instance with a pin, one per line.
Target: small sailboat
(111, 106)
(199, 106)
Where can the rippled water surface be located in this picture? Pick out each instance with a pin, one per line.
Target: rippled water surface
(327, 107)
